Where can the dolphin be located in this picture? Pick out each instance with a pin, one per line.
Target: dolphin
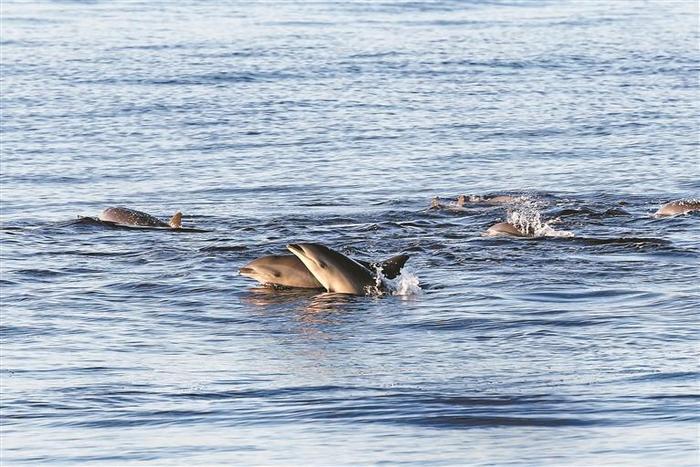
(132, 217)
(462, 200)
(336, 272)
(505, 228)
(679, 206)
(440, 203)
(488, 199)
(290, 271)
(284, 270)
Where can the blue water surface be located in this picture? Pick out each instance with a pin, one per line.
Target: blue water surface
(336, 122)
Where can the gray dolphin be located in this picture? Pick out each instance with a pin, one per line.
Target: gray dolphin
(290, 271)
(284, 270)
(462, 200)
(132, 217)
(505, 228)
(488, 199)
(335, 271)
(679, 206)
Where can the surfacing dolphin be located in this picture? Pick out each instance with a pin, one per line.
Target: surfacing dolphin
(679, 206)
(281, 270)
(462, 200)
(488, 199)
(505, 229)
(290, 271)
(132, 217)
(336, 272)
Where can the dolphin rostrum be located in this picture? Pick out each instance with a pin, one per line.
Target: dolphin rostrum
(336, 272)
(132, 217)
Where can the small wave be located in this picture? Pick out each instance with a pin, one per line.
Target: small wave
(638, 242)
(591, 213)
(609, 296)
(156, 47)
(64, 252)
(209, 79)
(93, 221)
(662, 376)
(458, 421)
(212, 249)
(372, 405)
(39, 272)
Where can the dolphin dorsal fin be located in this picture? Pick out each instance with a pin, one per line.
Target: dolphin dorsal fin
(176, 220)
(391, 268)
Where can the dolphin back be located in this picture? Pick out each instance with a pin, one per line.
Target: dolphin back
(126, 216)
(680, 206)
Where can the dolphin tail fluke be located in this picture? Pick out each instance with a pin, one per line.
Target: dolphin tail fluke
(391, 267)
(176, 221)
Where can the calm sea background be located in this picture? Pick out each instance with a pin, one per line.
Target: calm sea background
(336, 122)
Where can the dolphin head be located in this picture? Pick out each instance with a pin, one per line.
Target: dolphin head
(262, 274)
(285, 270)
(335, 271)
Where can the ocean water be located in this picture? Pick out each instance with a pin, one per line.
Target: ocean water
(267, 123)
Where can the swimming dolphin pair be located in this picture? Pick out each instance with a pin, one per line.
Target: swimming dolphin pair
(316, 266)
(132, 217)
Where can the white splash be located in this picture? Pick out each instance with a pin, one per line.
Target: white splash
(405, 284)
(379, 282)
(528, 219)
